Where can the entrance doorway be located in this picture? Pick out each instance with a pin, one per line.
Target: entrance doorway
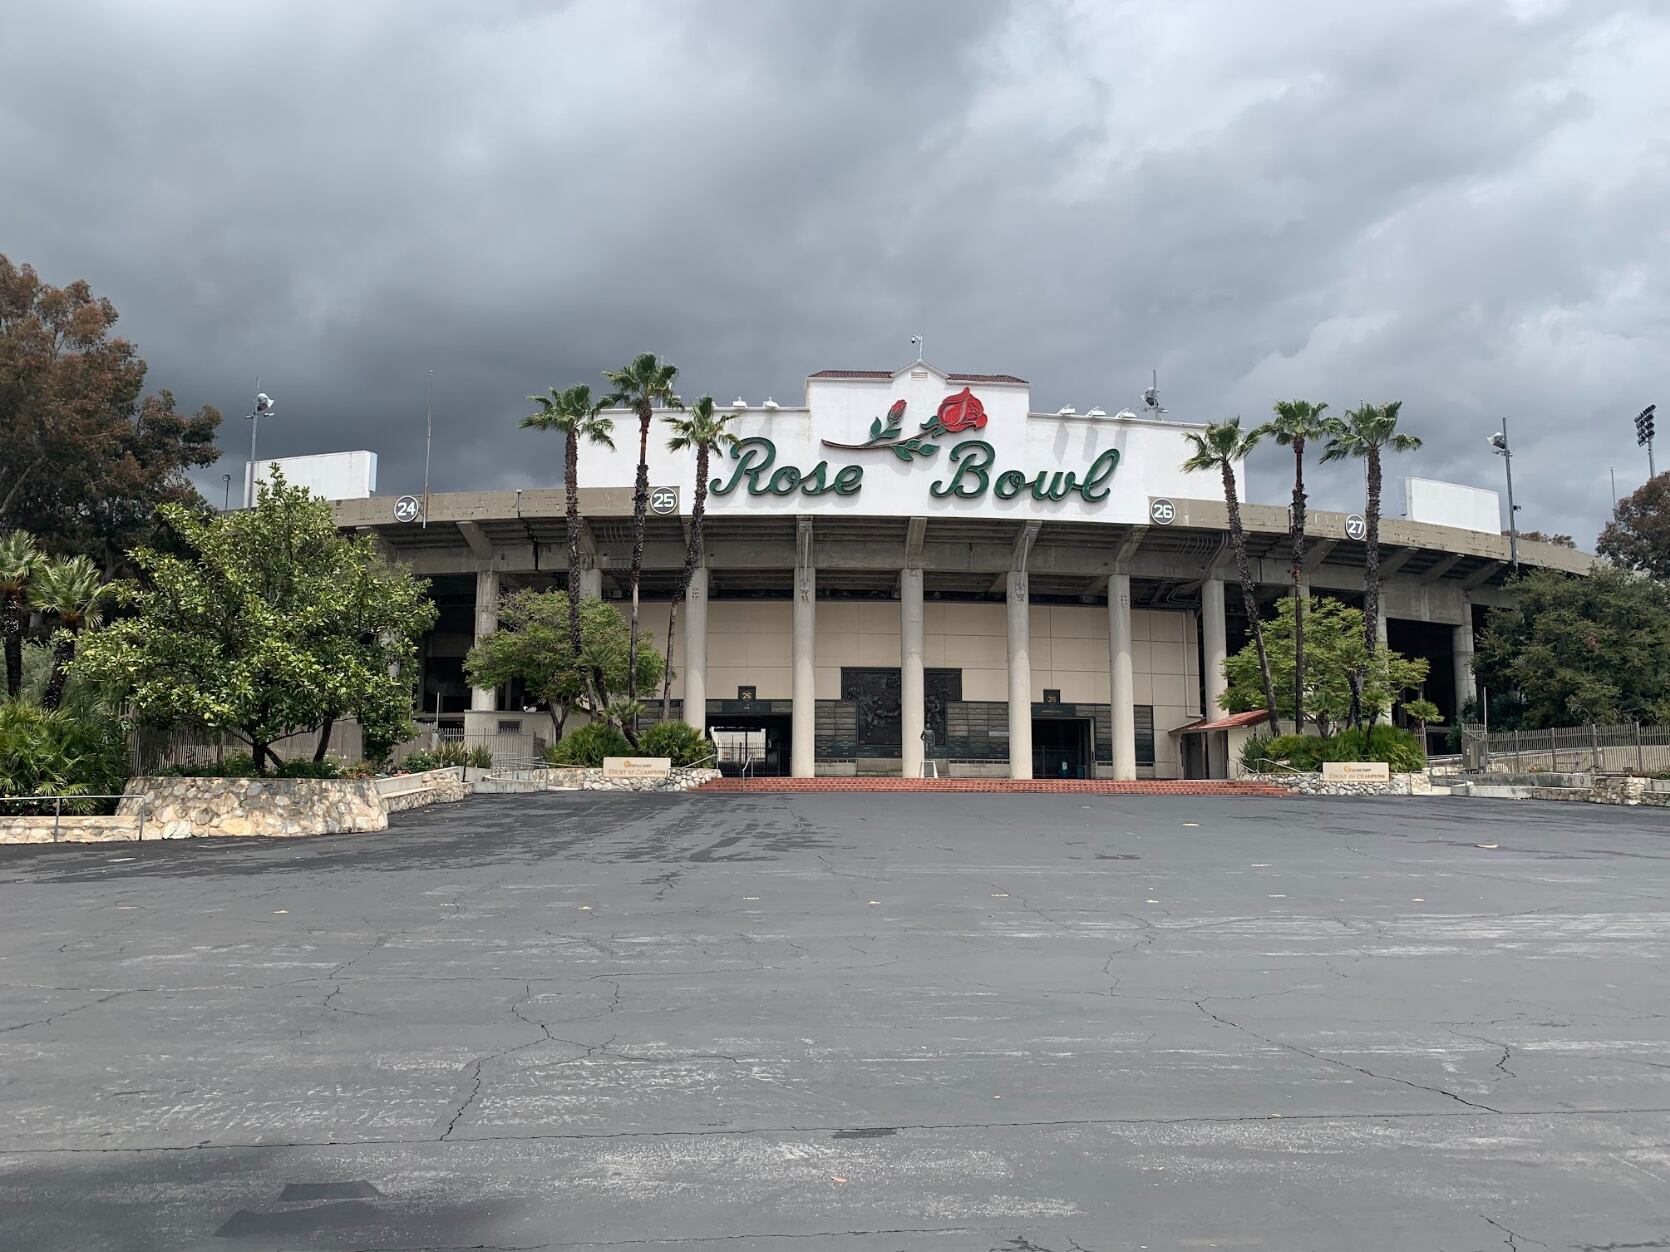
(757, 743)
(1061, 747)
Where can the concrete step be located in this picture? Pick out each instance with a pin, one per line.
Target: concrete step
(1081, 786)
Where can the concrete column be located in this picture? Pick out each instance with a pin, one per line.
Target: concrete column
(485, 699)
(1380, 624)
(1020, 678)
(695, 650)
(1214, 634)
(1120, 686)
(803, 721)
(591, 582)
(912, 692)
(1466, 687)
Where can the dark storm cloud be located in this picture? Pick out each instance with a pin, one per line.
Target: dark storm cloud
(1455, 203)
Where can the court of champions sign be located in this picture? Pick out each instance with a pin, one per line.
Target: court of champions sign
(971, 469)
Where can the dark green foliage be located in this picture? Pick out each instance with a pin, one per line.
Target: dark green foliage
(420, 761)
(1577, 650)
(679, 741)
(480, 758)
(58, 754)
(1400, 749)
(589, 745)
(242, 765)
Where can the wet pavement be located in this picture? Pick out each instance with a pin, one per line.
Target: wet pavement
(854, 1022)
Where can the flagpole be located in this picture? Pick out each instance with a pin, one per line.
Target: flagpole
(428, 439)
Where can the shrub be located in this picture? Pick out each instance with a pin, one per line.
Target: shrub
(1400, 749)
(678, 740)
(588, 746)
(451, 752)
(54, 753)
(417, 762)
(481, 758)
(330, 767)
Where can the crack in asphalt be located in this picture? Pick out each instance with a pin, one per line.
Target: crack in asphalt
(1335, 1061)
(1513, 1237)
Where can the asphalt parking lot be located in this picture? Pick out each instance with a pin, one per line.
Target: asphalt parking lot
(1030, 1023)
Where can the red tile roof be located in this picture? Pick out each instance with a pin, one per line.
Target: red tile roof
(1251, 717)
(956, 378)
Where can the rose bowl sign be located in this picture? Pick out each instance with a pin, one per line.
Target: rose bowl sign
(969, 471)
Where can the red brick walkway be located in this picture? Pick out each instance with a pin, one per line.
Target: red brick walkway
(1100, 787)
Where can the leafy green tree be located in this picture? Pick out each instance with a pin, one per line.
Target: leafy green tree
(1295, 424)
(1576, 650)
(71, 594)
(1336, 657)
(1638, 536)
(274, 625)
(49, 752)
(532, 645)
(86, 459)
(641, 385)
(1365, 433)
(20, 560)
(579, 420)
(703, 428)
(1219, 447)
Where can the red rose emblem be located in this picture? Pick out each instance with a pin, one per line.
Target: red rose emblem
(961, 412)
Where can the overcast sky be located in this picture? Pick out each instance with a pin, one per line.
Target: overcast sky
(1463, 205)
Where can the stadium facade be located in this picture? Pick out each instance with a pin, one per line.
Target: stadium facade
(912, 569)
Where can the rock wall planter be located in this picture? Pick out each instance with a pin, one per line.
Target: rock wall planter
(196, 808)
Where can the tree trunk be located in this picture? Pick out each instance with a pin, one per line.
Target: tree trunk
(258, 751)
(667, 668)
(324, 740)
(11, 623)
(1371, 582)
(1299, 597)
(571, 504)
(272, 756)
(1249, 597)
(63, 652)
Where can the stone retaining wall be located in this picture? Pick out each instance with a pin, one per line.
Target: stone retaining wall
(195, 808)
(416, 791)
(1313, 785)
(680, 779)
(69, 829)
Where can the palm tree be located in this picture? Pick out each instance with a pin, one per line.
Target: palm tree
(19, 559)
(1296, 423)
(69, 591)
(704, 429)
(574, 414)
(1365, 432)
(643, 384)
(1219, 447)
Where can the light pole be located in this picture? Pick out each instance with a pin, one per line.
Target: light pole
(1499, 444)
(226, 502)
(1644, 436)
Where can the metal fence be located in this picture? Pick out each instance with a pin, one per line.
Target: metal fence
(1623, 749)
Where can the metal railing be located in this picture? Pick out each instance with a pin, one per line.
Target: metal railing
(58, 802)
(1628, 748)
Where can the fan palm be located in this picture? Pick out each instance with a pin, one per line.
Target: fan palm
(1219, 447)
(641, 385)
(1365, 433)
(703, 428)
(19, 560)
(1295, 424)
(70, 592)
(573, 413)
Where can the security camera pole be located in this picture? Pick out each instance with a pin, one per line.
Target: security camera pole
(263, 404)
(1499, 442)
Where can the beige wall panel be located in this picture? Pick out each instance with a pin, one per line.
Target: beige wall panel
(1171, 689)
(976, 652)
(986, 684)
(1167, 627)
(836, 647)
(838, 617)
(1078, 653)
(1142, 688)
(771, 682)
(976, 619)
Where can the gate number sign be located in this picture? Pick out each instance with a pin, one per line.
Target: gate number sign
(663, 501)
(406, 509)
(1162, 512)
(1356, 527)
